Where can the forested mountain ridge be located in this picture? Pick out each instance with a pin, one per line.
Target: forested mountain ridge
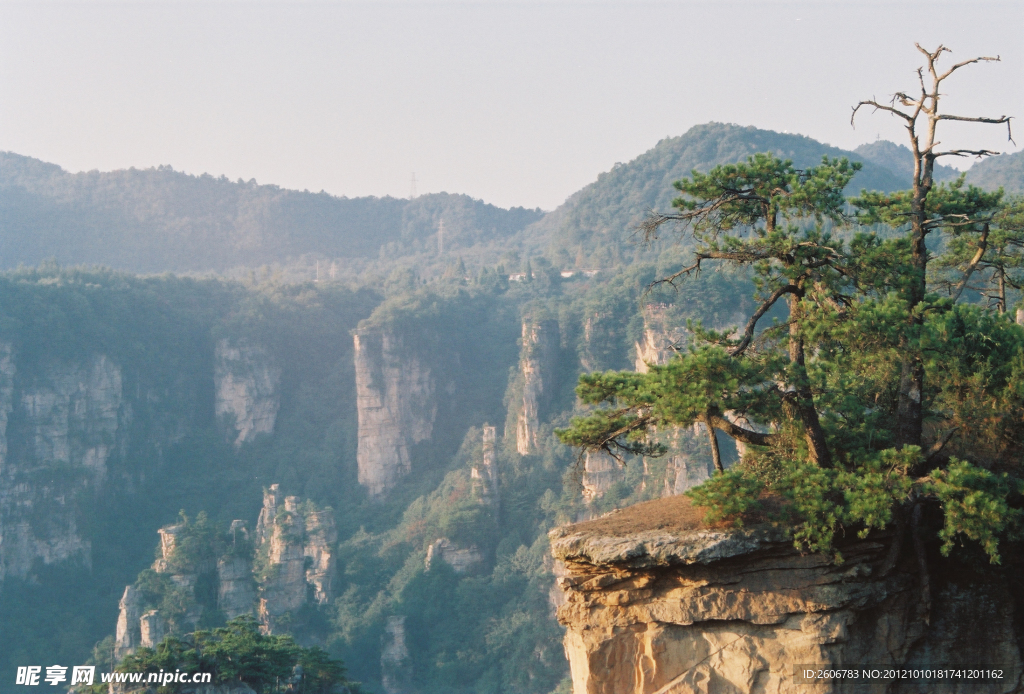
(593, 224)
(1004, 171)
(157, 220)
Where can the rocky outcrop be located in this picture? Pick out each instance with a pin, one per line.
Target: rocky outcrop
(600, 473)
(127, 636)
(321, 537)
(395, 663)
(283, 584)
(537, 364)
(152, 629)
(57, 434)
(461, 559)
(396, 408)
(295, 551)
(484, 477)
(295, 561)
(236, 590)
(654, 602)
(246, 385)
(660, 339)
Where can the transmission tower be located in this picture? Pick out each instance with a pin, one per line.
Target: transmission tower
(412, 187)
(440, 238)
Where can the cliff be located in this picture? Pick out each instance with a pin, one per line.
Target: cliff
(247, 384)
(396, 408)
(58, 430)
(295, 560)
(656, 602)
(660, 339)
(539, 355)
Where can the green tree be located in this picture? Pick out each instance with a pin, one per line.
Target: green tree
(921, 115)
(822, 399)
(239, 652)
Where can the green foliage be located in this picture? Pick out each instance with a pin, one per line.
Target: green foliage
(729, 496)
(818, 405)
(237, 653)
(976, 504)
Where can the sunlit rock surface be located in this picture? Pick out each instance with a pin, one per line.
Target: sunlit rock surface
(247, 384)
(539, 354)
(396, 408)
(57, 433)
(654, 602)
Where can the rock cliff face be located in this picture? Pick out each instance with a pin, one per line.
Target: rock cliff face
(461, 559)
(321, 537)
(285, 539)
(128, 634)
(66, 417)
(600, 472)
(395, 663)
(295, 552)
(396, 408)
(656, 603)
(246, 383)
(485, 475)
(540, 343)
(659, 337)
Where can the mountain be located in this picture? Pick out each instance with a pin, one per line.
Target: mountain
(158, 220)
(592, 226)
(1005, 170)
(900, 160)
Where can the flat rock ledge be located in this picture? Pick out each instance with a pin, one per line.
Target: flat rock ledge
(656, 602)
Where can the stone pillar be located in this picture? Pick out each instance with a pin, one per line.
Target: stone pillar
(152, 628)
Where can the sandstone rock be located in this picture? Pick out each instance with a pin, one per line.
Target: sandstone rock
(273, 498)
(461, 559)
(484, 476)
(69, 416)
(600, 473)
(128, 635)
(672, 608)
(395, 664)
(537, 364)
(153, 628)
(659, 340)
(236, 590)
(283, 588)
(396, 408)
(321, 537)
(246, 385)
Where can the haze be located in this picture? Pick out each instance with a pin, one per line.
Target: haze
(514, 103)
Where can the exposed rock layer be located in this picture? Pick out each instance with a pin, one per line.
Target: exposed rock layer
(58, 430)
(246, 382)
(654, 603)
(396, 408)
(540, 344)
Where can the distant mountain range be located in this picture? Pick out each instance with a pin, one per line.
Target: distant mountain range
(157, 220)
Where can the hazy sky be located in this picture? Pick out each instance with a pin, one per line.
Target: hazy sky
(517, 103)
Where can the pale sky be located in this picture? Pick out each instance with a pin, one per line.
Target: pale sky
(516, 103)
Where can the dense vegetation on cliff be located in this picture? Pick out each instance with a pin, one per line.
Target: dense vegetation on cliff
(890, 395)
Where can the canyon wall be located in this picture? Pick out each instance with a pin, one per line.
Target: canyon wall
(396, 408)
(655, 603)
(537, 364)
(246, 383)
(59, 426)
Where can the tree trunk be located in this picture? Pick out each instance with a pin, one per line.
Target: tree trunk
(909, 412)
(716, 453)
(804, 400)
